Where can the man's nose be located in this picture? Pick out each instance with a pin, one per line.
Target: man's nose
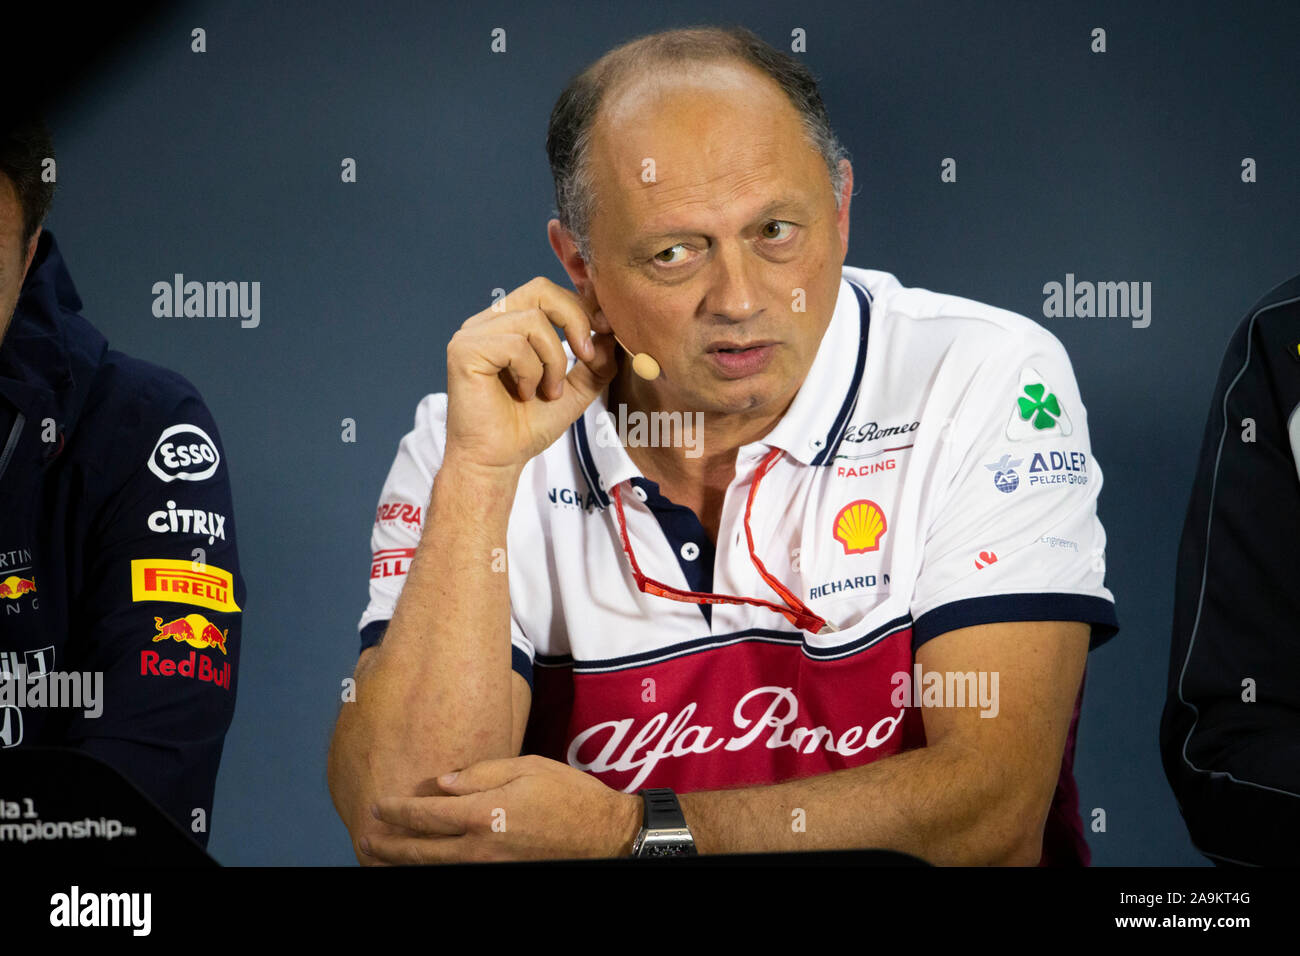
(734, 291)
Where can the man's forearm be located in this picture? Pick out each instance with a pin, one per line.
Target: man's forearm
(437, 696)
(944, 806)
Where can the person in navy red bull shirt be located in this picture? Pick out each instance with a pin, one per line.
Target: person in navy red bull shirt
(118, 558)
(785, 556)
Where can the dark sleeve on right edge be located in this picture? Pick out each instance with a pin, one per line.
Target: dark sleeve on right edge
(1234, 765)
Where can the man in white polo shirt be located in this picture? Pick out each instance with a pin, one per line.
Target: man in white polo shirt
(822, 573)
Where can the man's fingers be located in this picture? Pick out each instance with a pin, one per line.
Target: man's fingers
(515, 355)
(488, 774)
(563, 309)
(587, 380)
(544, 378)
(426, 816)
(541, 335)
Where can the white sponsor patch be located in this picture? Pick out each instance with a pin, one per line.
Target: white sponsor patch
(184, 452)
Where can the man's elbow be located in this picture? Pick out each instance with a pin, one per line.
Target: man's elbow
(343, 772)
(999, 843)
(1027, 850)
(350, 802)
(1010, 831)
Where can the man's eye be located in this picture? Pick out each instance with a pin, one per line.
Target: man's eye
(659, 255)
(778, 223)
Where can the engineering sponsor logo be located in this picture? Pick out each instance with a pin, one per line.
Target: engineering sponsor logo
(767, 725)
(870, 431)
(182, 582)
(984, 559)
(1063, 543)
(859, 526)
(184, 453)
(188, 521)
(391, 562)
(398, 512)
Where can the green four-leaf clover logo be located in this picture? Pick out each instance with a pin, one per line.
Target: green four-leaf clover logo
(1043, 411)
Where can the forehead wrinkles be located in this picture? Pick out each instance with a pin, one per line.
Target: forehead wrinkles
(727, 193)
(710, 152)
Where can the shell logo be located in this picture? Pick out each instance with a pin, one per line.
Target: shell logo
(859, 526)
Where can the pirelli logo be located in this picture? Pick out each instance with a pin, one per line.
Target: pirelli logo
(161, 579)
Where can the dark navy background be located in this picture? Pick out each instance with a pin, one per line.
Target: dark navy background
(1123, 166)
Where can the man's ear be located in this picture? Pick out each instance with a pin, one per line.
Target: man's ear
(846, 197)
(566, 250)
(31, 250)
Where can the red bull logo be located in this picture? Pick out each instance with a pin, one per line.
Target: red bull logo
(14, 587)
(192, 629)
(195, 666)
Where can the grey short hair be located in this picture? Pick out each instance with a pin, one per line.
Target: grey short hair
(568, 135)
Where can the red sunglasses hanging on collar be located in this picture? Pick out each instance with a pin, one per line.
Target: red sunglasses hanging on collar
(794, 610)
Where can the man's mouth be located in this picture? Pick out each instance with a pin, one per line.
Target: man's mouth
(741, 359)
(738, 347)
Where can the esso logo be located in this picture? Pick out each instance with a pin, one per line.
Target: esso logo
(185, 452)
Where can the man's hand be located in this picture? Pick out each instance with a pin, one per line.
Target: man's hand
(508, 397)
(519, 808)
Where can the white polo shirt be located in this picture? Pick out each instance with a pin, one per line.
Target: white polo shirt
(935, 473)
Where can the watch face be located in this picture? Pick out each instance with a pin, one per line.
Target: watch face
(668, 842)
(669, 849)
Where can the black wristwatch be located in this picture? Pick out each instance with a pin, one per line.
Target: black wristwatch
(663, 829)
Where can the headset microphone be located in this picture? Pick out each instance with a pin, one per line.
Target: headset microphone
(642, 363)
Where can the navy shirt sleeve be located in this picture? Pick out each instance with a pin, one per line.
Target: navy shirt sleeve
(159, 611)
